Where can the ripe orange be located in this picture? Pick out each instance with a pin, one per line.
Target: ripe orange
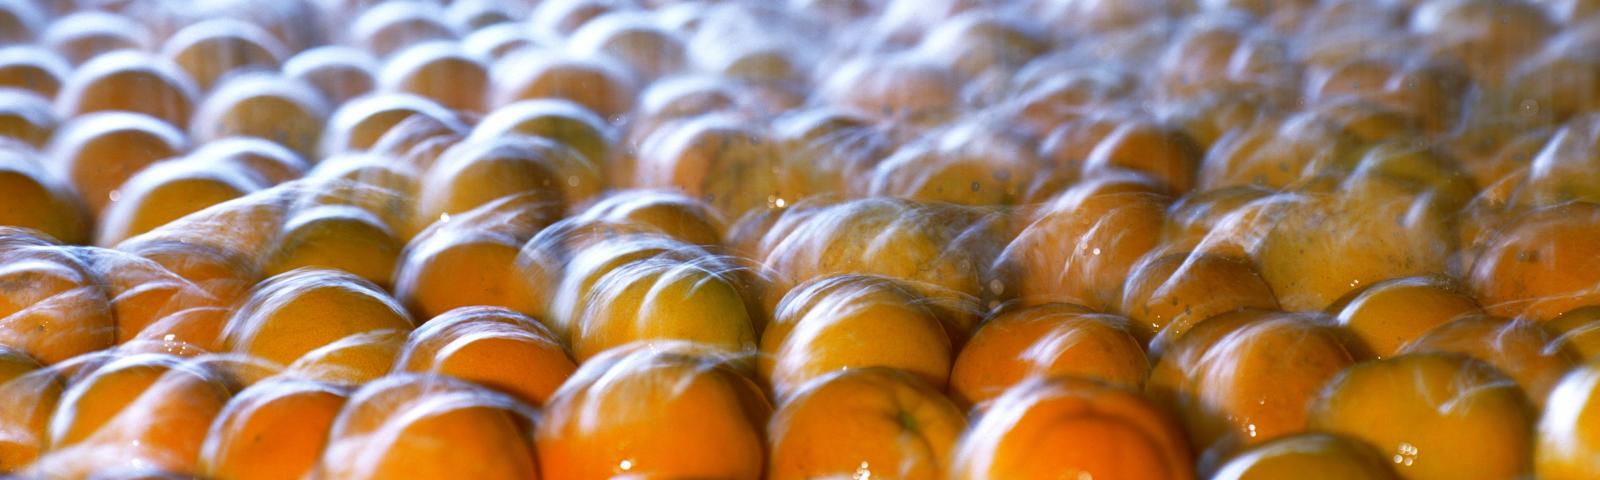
(1567, 438)
(387, 28)
(598, 84)
(1578, 329)
(1082, 246)
(358, 124)
(557, 119)
(29, 394)
(1046, 341)
(439, 71)
(51, 306)
(211, 49)
(32, 68)
(339, 73)
(476, 172)
(337, 237)
(494, 347)
(263, 105)
(273, 429)
(429, 427)
(1170, 293)
(142, 410)
(97, 153)
(1311, 456)
(1391, 314)
(132, 82)
(1542, 264)
(1520, 349)
(268, 161)
(167, 191)
(88, 34)
(26, 117)
(678, 216)
(864, 422)
(657, 300)
(293, 314)
(38, 201)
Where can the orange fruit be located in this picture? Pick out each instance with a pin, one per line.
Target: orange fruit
(26, 118)
(142, 410)
(20, 21)
(387, 28)
(493, 347)
(34, 69)
(1170, 293)
(455, 263)
(38, 201)
(579, 271)
(1274, 153)
(1064, 427)
(273, 429)
(562, 17)
(976, 44)
(1439, 416)
(87, 34)
(598, 84)
(678, 216)
(429, 427)
(358, 124)
(649, 50)
(262, 105)
(864, 421)
(1522, 350)
(851, 321)
(968, 164)
(1082, 247)
(661, 300)
(903, 87)
(1542, 264)
(339, 73)
(497, 41)
(29, 394)
(1046, 341)
(705, 417)
(439, 71)
(132, 82)
(1312, 456)
(211, 49)
(557, 119)
(51, 306)
(353, 360)
(167, 191)
(1391, 314)
(1578, 329)
(266, 160)
(293, 314)
(1168, 155)
(97, 153)
(1566, 440)
(475, 172)
(698, 157)
(336, 237)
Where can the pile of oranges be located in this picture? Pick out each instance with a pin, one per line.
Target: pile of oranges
(793, 239)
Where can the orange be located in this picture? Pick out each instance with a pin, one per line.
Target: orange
(598, 84)
(475, 172)
(28, 396)
(26, 117)
(263, 105)
(97, 153)
(88, 34)
(717, 158)
(493, 347)
(1171, 293)
(336, 237)
(661, 300)
(273, 429)
(268, 161)
(353, 360)
(132, 82)
(1046, 341)
(20, 21)
(293, 314)
(864, 422)
(439, 71)
(358, 124)
(167, 191)
(145, 293)
(339, 73)
(33, 68)
(368, 181)
(51, 306)
(387, 28)
(1223, 221)
(1567, 439)
(562, 17)
(1439, 416)
(1082, 247)
(838, 149)
(1579, 329)
(976, 44)
(1522, 350)
(1311, 456)
(1168, 155)
(672, 410)
(851, 321)
(1489, 37)
(221, 273)
(473, 15)
(678, 216)
(423, 427)
(494, 42)
(557, 119)
(456, 264)
(598, 255)
(1391, 314)
(901, 87)
(651, 51)
(212, 49)
(1064, 427)
(144, 410)
(1542, 264)
(970, 164)
(36, 200)
(1274, 153)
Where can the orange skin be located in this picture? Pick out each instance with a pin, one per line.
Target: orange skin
(443, 272)
(263, 105)
(1225, 221)
(851, 321)
(27, 118)
(353, 360)
(144, 408)
(336, 237)
(339, 73)
(674, 214)
(293, 314)
(268, 161)
(388, 30)
(599, 85)
(1081, 248)
(968, 164)
(561, 120)
(1310, 456)
(657, 300)
(1167, 155)
(39, 201)
(476, 172)
(494, 347)
(864, 420)
(1173, 292)
(1391, 314)
(209, 49)
(131, 82)
(358, 124)
(1567, 437)
(84, 35)
(1578, 329)
(718, 158)
(165, 192)
(98, 153)
(429, 427)
(1274, 154)
(1439, 415)
(1064, 427)
(1046, 341)
(648, 50)
(441, 73)
(1543, 264)
(29, 394)
(704, 418)
(34, 69)
(51, 307)
(1172, 379)
(274, 429)
(1532, 356)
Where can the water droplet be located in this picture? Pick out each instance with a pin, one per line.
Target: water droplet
(572, 181)
(444, 217)
(862, 472)
(115, 195)
(780, 203)
(1096, 250)
(626, 465)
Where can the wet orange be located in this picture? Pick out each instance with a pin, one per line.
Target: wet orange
(273, 429)
(494, 347)
(130, 82)
(1046, 341)
(428, 427)
(51, 307)
(38, 201)
(28, 397)
(263, 105)
(1171, 293)
(167, 191)
(293, 314)
(1391, 314)
(1082, 246)
(211, 49)
(864, 422)
(1312, 456)
(657, 300)
(439, 71)
(1567, 438)
(1522, 350)
(1526, 271)
(336, 237)
(97, 153)
(1579, 329)
(146, 410)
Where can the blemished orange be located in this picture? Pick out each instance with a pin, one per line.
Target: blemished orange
(864, 422)
(1567, 438)
(263, 105)
(849, 321)
(1310, 456)
(1441, 416)
(28, 396)
(673, 410)
(429, 427)
(211, 49)
(36, 200)
(494, 347)
(98, 152)
(1066, 427)
(439, 71)
(273, 429)
(295, 313)
(1391, 314)
(167, 191)
(131, 82)
(1520, 349)
(1544, 263)
(338, 237)
(1170, 293)
(150, 410)
(51, 306)
(339, 73)
(1046, 341)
